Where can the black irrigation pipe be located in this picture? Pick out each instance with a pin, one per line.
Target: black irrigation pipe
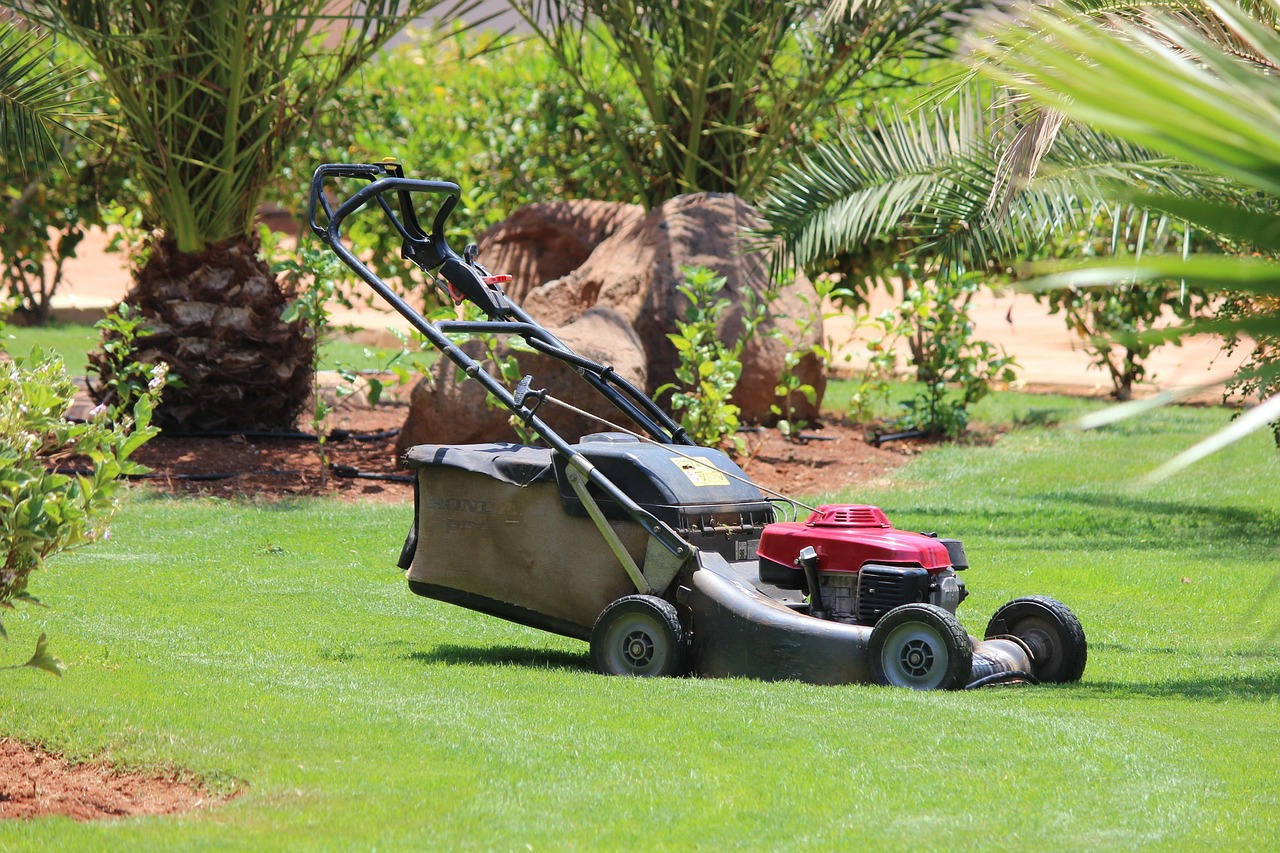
(153, 475)
(334, 435)
(342, 471)
(898, 436)
(352, 472)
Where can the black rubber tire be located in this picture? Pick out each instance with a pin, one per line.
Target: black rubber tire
(1050, 631)
(921, 646)
(638, 635)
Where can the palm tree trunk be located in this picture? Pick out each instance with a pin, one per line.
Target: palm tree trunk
(215, 317)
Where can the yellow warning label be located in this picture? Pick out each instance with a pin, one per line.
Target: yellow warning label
(701, 472)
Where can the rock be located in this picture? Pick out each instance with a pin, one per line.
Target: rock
(543, 242)
(445, 409)
(636, 272)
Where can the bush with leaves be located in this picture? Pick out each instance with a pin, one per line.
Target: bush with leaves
(44, 512)
(709, 368)
(499, 119)
(955, 369)
(53, 195)
(312, 272)
(790, 387)
(1259, 374)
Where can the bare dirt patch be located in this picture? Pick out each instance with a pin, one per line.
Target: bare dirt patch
(35, 783)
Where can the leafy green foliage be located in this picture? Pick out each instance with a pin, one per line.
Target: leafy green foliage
(123, 380)
(500, 120)
(312, 272)
(40, 95)
(213, 94)
(790, 388)
(955, 370)
(709, 368)
(1259, 377)
(1196, 86)
(728, 88)
(55, 192)
(44, 512)
(1117, 325)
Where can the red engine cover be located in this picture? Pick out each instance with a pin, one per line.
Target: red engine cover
(847, 536)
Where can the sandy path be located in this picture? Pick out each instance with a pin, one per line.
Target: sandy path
(1048, 354)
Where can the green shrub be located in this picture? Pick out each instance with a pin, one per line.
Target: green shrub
(1259, 376)
(502, 122)
(1115, 324)
(709, 368)
(312, 271)
(51, 200)
(44, 511)
(954, 369)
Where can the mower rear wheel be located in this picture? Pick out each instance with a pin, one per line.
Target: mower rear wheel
(638, 635)
(921, 646)
(1050, 631)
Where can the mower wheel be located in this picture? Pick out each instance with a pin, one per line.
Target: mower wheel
(921, 646)
(638, 635)
(1050, 631)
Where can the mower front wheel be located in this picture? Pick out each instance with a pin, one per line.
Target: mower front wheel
(1050, 631)
(638, 635)
(921, 646)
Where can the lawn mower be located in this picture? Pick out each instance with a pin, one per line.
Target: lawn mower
(662, 554)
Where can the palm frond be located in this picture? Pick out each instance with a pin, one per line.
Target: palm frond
(39, 95)
(213, 93)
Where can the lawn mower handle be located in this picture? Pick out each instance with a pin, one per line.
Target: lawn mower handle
(428, 251)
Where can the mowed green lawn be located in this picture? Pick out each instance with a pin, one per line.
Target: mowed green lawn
(74, 341)
(275, 651)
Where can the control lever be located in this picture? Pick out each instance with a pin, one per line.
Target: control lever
(523, 393)
(522, 390)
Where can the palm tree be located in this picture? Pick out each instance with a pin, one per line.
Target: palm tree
(212, 93)
(37, 94)
(719, 90)
(1197, 84)
(1169, 109)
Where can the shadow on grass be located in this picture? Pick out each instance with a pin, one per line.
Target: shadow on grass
(455, 655)
(1259, 687)
(1090, 521)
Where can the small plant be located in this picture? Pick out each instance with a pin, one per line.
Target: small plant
(955, 369)
(709, 368)
(314, 273)
(790, 387)
(872, 387)
(1260, 375)
(122, 379)
(1116, 325)
(44, 512)
(933, 324)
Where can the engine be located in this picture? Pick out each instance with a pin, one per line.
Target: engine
(861, 566)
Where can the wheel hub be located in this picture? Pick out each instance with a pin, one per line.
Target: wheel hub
(639, 648)
(917, 658)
